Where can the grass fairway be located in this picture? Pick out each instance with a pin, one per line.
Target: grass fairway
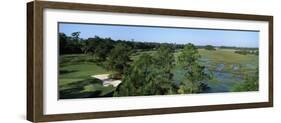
(75, 77)
(82, 70)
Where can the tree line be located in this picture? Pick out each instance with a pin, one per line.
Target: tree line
(245, 52)
(98, 45)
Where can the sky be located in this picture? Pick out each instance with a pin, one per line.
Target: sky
(198, 36)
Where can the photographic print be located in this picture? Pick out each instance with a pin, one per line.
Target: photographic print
(104, 60)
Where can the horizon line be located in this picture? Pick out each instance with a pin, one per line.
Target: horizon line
(161, 42)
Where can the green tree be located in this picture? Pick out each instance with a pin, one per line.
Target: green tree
(89, 46)
(75, 41)
(137, 76)
(149, 75)
(251, 83)
(101, 51)
(164, 62)
(70, 44)
(98, 47)
(194, 72)
(63, 43)
(119, 58)
(209, 47)
(75, 36)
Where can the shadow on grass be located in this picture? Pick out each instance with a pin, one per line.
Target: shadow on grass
(76, 90)
(67, 71)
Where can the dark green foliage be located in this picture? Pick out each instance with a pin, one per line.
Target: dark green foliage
(228, 47)
(245, 52)
(119, 58)
(75, 36)
(137, 76)
(70, 44)
(209, 47)
(194, 72)
(238, 48)
(149, 75)
(63, 42)
(98, 47)
(74, 44)
(251, 83)
(164, 62)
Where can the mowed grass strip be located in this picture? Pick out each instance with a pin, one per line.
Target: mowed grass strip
(227, 56)
(83, 70)
(76, 67)
(75, 79)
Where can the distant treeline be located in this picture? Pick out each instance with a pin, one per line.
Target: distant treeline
(245, 52)
(238, 48)
(74, 44)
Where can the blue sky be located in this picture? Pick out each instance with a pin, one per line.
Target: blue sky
(165, 35)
